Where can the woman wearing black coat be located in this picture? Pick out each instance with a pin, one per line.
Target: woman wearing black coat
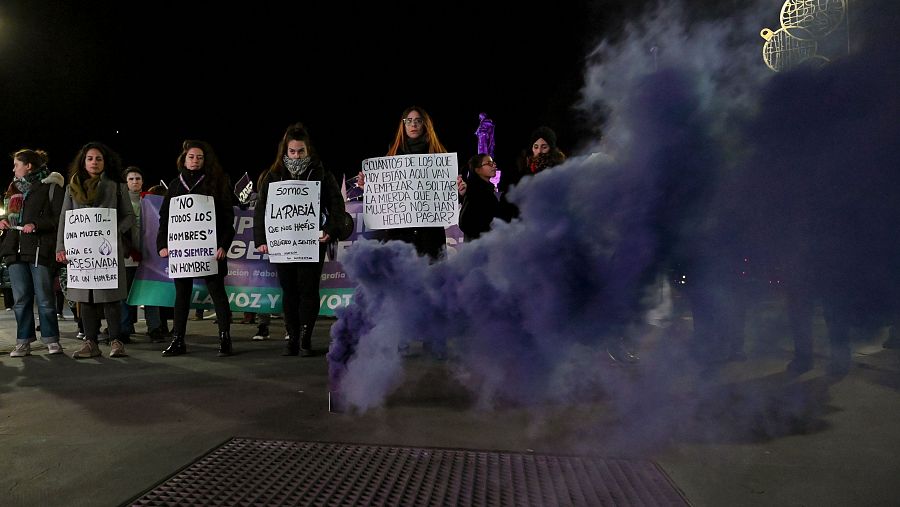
(481, 204)
(299, 281)
(199, 173)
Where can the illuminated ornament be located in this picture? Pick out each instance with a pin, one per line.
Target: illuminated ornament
(783, 51)
(105, 247)
(803, 24)
(812, 19)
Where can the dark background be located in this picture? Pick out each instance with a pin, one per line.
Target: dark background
(143, 77)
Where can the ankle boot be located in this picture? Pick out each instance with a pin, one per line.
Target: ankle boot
(292, 347)
(224, 344)
(176, 348)
(306, 341)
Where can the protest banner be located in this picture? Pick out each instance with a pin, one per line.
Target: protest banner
(252, 282)
(410, 191)
(192, 236)
(292, 221)
(92, 248)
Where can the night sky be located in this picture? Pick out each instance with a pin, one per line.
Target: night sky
(142, 78)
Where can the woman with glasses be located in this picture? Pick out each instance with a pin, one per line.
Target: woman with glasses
(415, 135)
(32, 202)
(481, 204)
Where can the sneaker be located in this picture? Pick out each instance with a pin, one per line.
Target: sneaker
(89, 349)
(21, 350)
(54, 348)
(60, 316)
(287, 336)
(80, 335)
(117, 349)
(262, 333)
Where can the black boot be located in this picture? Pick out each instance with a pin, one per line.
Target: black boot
(176, 348)
(306, 341)
(224, 343)
(292, 347)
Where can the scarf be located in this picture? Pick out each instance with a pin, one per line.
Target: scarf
(12, 201)
(417, 146)
(190, 179)
(296, 166)
(24, 184)
(84, 191)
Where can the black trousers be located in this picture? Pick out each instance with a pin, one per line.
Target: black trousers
(215, 284)
(92, 313)
(300, 286)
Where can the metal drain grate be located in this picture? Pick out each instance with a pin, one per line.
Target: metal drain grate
(278, 472)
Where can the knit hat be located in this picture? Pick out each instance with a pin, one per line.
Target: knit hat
(545, 133)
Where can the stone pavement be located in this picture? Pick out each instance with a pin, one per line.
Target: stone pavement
(100, 432)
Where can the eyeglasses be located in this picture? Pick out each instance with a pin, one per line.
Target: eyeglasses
(413, 121)
(492, 164)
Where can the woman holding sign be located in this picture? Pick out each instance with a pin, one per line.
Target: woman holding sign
(199, 176)
(93, 183)
(416, 136)
(299, 279)
(28, 245)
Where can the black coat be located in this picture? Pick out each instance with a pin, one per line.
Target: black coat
(429, 241)
(224, 215)
(40, 210)
(330, 199)
(480, 207)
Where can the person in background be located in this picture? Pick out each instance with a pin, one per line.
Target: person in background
(540, 154)
(94, 183)
(481, 204)
(134, 182)
(296, 160)
(6, 287)
(32, 202)
(199, 172)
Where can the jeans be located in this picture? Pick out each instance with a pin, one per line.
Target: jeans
(30, 282)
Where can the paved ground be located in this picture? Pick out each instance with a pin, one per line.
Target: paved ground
(99, 432)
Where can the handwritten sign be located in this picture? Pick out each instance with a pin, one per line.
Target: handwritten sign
(292, 221)
(92, 248)
(192, 236)
(410, 191)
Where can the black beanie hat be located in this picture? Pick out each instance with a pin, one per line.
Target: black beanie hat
(545, 133)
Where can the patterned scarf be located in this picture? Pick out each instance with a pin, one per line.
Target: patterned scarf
(18, 190)
(296, 166)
